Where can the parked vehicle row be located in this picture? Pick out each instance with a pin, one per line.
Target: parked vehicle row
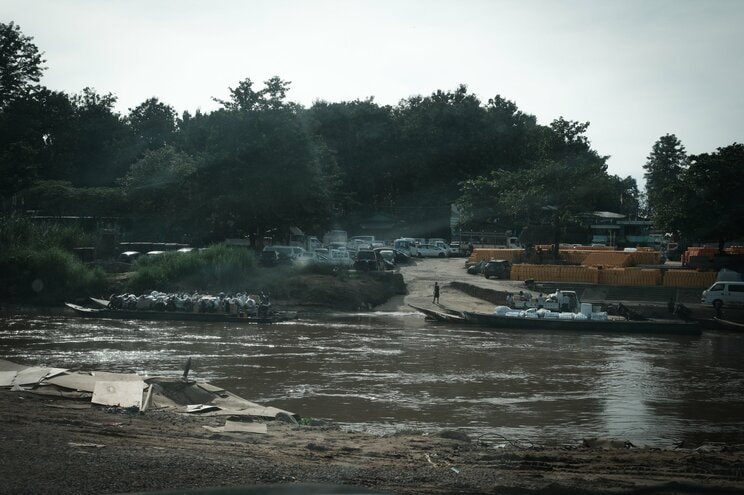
(340, 252)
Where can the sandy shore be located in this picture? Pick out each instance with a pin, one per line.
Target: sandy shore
(60, 446)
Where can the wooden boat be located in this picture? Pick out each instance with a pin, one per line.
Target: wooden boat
(651, 326)
(130, 314)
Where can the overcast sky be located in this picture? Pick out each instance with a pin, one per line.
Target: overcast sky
(635, 69)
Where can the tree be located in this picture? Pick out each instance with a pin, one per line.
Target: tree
(712, 205)
(361, 135)
(33, 130)
(159, 189)
(244, 97)
(571, 180)
(102, 145)
(153, 123)
(20, 64)
(665, 168)
(260, 169)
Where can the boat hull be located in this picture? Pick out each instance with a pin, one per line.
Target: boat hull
(439, 315)
(613, 326)
(729, 325)
(123, 314)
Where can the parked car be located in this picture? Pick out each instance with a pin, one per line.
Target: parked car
(394, 255)
(476, 268)
(450, 250)
(361, 242)
(340, 257)
(368, 260)
(724, 293)
(497, 268)
(129, 256)
(337, 245)
(269, 258)
(287, 254)
(456, 248)
(306, 258)
(431, 251)
(388, 257)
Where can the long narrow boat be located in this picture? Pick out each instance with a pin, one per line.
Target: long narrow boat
(126, 314)
(651, 326)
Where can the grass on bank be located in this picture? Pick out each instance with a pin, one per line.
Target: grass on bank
(218, 267)
(37, 266)
(47, 276)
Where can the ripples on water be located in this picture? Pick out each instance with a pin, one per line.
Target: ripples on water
(387, 371)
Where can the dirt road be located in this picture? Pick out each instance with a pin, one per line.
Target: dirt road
(420, 276)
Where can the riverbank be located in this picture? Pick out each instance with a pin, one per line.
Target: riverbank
(70, 447)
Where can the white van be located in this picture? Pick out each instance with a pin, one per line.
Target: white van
(723, 294)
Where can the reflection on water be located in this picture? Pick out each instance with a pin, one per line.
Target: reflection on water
(382, 372)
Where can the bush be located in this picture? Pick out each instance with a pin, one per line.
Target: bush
(218, 268)
(49, 275)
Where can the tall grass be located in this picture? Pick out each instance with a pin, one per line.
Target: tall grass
(22, 233)
(47, 275)
(36, 264)
(218, 268)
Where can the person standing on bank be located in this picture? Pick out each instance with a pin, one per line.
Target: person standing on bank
(436, 293)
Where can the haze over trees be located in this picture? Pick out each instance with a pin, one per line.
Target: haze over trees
(261, 162)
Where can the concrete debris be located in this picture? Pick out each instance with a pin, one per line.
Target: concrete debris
(119, 393)
(132, 391)
(239, 427)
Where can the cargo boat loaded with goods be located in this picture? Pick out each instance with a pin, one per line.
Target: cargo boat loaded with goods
(570, 315)
(104, 311)
(615, 325)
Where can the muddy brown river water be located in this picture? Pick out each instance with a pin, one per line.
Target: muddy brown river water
(382, 372)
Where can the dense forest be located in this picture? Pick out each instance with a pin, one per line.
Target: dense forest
(260, 163)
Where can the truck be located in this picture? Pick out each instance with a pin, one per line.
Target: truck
(335, 236)
(560, 300)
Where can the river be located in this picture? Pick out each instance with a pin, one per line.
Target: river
(383, 372)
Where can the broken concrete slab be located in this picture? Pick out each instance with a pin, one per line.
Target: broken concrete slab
(30, 376)
(239, 427)
(7, 378)
(83, 382)
(120, 393)
(6, 365)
